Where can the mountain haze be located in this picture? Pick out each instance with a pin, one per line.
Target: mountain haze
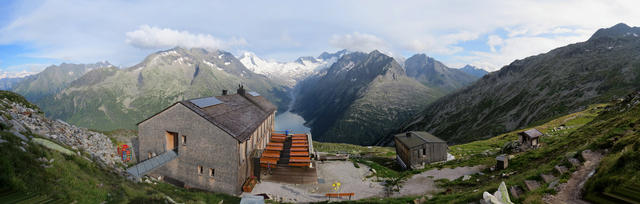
(433, 73)
(537, 88)
(110, 98)
(359, 98)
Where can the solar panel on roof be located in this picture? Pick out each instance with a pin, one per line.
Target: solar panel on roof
(253, 93)
(206, 102)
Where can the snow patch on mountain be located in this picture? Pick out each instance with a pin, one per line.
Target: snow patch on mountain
(288, 72)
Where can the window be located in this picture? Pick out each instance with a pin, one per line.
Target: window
(212, 172)
(424, 152)
(200, 170)
(184, 140)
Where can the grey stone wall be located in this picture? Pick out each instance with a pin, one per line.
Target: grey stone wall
(206, 146)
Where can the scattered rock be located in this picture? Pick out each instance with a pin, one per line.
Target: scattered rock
(22, 148)
(466, 177)
(515, 191)
(21, 136)
(531, 184)
(574, 162)
(553, 184)
(561, 169)
(548, 178)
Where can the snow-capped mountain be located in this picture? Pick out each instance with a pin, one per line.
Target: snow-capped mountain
(289, 72)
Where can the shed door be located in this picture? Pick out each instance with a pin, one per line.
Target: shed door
(172, 140)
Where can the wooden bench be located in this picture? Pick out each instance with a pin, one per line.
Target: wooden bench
(299, 149)
(339, 195)
(299, 154)
(271, 154)
(275, 144)
(266, 160)
(274, 148)
(301, 164)
(299, 159)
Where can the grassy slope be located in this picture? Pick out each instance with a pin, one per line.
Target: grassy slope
(585, 130)
(74, 178)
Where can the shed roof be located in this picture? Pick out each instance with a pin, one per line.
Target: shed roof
(531, 133)
(239, 115)
(417, 138)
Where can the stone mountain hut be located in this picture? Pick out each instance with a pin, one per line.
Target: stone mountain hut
(529, 138)
(205, 143)
(414, 149)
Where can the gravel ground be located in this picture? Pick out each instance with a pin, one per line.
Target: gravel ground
(423, 183)
(352, 180)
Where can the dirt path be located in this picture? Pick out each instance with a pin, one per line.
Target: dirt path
(570, 192)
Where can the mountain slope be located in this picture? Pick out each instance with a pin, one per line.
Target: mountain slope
(360, 98)
(537, 88)
(111, 98)
(53, 79)
(472, 70)
(433, 73)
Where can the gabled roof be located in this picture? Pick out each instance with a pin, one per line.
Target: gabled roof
(417, 138)
(238, 115)
(531, 133)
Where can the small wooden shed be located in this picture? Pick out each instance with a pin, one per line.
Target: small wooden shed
(416, 148)
(529, 138)
(502, 162)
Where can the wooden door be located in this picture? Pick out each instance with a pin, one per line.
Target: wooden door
(172, 140)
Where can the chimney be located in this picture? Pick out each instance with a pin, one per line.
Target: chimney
(408, 134)
(224, 92)
(241, 90)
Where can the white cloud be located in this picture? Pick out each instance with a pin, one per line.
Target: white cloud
(443, 44)
(148, 37)
(494, 41)
(359, 42)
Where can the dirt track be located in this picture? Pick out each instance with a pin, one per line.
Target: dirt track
(570, 192)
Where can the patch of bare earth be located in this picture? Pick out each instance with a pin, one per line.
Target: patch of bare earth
(570, 192)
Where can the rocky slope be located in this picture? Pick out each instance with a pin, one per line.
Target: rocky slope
(537, 88)
(23, 119)
(360, 98)
(111, 98)
(433, 73)
(53, 79)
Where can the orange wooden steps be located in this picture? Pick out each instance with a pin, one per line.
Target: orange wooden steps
(299, 159)
(300, 145)
(298, 154)
(271, 152)
(277, 140)
(299, 135)
(278, 134)
(299, 149)
(298, 141)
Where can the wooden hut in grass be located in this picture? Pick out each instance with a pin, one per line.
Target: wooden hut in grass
(414, 149)
(529, 138)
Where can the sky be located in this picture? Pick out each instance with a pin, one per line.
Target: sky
(488, 34)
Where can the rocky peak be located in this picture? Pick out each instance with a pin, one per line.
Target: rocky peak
(619, 30)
